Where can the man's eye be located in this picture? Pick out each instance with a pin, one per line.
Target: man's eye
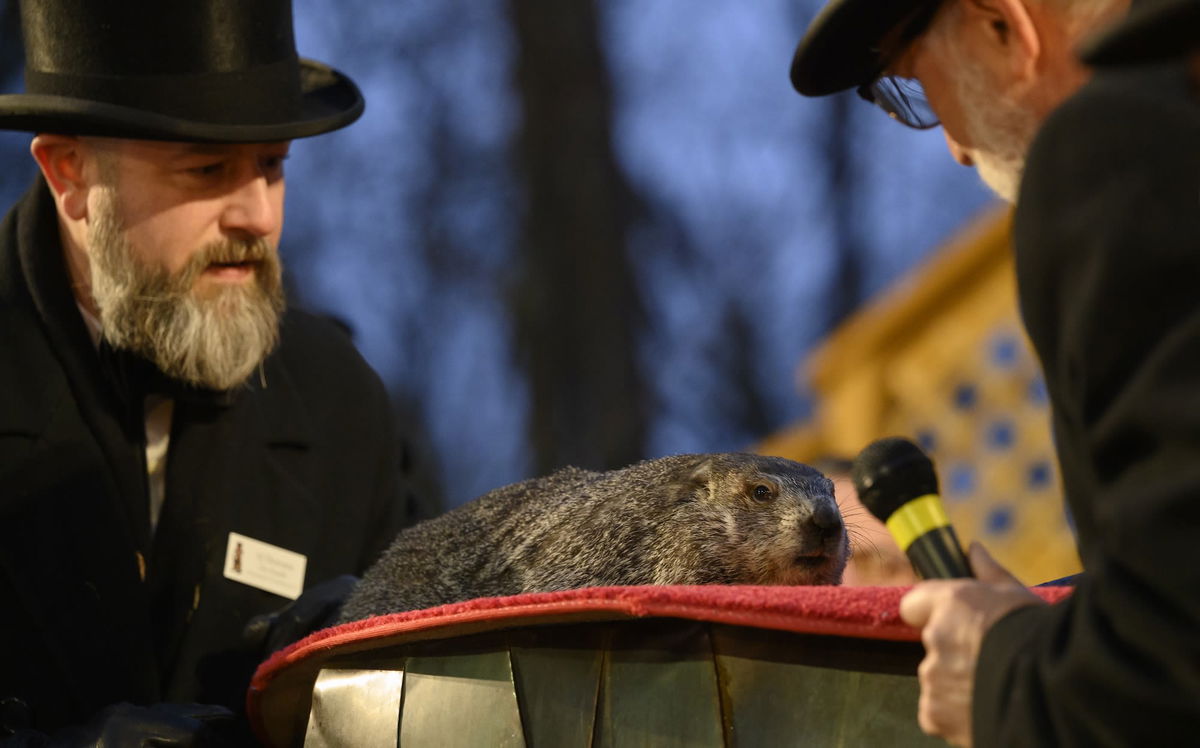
(273, 163)
(206, 170)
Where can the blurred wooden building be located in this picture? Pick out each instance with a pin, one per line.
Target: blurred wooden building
(942, 358)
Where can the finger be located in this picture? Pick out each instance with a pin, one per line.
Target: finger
(986, 568)
(925, 719)
(917, 604)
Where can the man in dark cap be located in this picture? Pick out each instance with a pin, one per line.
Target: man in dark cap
(987, 71)
(1107, 239)
(178, 454)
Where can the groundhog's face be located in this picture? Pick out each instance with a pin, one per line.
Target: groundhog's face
(779, 519)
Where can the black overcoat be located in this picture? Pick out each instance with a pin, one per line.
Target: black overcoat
(304, 459)
(1107, 235)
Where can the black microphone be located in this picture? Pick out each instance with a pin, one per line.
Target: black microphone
(895, 480)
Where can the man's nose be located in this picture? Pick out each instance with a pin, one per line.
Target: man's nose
(960, 153)
(253, 208)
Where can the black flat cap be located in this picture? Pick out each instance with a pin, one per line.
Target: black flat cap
(1154, 31)
(840, 48)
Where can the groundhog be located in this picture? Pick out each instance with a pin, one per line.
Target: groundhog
(687, 519)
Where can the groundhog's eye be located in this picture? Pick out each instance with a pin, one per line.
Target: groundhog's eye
(763, 493)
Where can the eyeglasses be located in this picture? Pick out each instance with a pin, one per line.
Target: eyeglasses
(903, 98)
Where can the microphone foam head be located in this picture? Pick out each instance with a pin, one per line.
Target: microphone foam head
(889, 473)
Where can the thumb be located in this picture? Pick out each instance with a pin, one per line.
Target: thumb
(986, 568)
(917, 604)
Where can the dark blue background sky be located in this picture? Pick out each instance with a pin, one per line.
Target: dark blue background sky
(406, 224)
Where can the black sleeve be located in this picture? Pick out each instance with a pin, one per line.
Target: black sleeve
(1108, 237)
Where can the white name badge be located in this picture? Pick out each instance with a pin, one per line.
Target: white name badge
(265, 566)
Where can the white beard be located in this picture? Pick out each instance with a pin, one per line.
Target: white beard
(213, 342)
(1002, 128)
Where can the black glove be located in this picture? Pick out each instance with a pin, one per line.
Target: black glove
(315, 609)
(126, 725)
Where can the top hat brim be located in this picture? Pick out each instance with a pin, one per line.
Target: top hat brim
(1152, 32)
(329, 100)
(839, 49)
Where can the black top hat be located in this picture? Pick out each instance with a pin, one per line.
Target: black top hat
(840, 48)
(188, 70)
(1154, 31)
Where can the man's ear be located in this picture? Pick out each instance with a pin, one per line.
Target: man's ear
(1009, 28)
(61, 159)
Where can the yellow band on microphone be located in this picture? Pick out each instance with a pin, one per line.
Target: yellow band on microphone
(916, 518)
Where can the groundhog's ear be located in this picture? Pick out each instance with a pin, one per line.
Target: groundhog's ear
(700, 476)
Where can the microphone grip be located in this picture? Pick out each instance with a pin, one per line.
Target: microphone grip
(923, 530)
(937, 554)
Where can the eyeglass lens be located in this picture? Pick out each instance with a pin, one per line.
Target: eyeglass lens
(904, 100)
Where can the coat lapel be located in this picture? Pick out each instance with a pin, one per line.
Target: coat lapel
(237, 468)
(66, 545)
(115, 426)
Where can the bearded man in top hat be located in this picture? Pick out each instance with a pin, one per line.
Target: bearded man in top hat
(1108, 259)
(177, 453)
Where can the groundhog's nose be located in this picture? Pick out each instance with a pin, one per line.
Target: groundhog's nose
(827, 518)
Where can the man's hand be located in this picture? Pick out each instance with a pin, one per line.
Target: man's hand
(316, 609)
(954, 615)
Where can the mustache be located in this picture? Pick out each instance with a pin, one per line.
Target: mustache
(229, 251)
(223, 252)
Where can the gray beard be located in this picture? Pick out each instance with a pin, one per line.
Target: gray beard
(1003, 128)
(215, 342)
